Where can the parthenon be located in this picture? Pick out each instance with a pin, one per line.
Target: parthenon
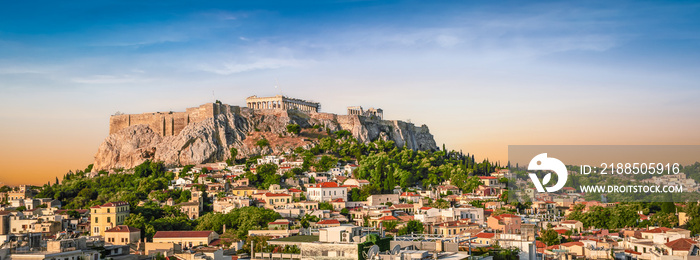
(281, 102)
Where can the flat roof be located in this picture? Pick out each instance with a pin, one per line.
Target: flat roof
(306, 238)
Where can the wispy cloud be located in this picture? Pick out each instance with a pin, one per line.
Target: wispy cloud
(231, 67)
(110, 79)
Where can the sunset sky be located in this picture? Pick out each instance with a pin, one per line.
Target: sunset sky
(482, 75)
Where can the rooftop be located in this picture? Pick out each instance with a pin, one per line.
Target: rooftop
(123, 228)
(324, 185)
(176, 234)
(111, 204)
(297, 239)
(681, 244)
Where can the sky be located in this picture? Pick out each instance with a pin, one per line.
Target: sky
(481, 74)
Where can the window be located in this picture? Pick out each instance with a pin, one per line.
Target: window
(97, 220)
(109, 219)
(107, 210)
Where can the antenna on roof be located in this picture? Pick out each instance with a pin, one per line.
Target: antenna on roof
(372, 252)
(395, 250)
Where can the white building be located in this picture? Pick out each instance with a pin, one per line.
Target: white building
(269, 159)
(326, 191)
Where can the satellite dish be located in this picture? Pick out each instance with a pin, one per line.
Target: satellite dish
(372, 252)
(395, 250)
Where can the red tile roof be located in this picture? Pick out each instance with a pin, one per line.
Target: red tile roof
(123, 228)
(388, 218)
(629, 251)
(681, 244)
(410, 194)
(485, 235)
(328, 222)
(552, 247)
(487, 177)
(270, 194)
(570, 244)
(176, 234)
(295, 190)
(402, 206)
(338, 200)
(561, 231)
(325, 185)
(658, 230)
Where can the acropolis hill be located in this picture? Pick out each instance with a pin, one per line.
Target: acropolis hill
(206, 133)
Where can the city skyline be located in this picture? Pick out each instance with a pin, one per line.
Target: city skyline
(481, 76)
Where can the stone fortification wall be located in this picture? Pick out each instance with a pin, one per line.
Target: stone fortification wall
(169, 123)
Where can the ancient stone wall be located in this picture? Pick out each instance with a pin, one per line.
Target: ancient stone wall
(169, 123)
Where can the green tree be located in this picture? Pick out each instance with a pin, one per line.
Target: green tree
(549, 237)
(326, 163)
(411, 227)
(238, 220)
(293, 129)
(262, 142)
(231, 161)
(266, 176)
(693, 213)
(465, 182)
(390, 225)
(325, 206)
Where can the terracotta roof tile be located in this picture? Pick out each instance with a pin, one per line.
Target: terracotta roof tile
(325, 185)
(328, 222)
(681, 244)
(123, 228)
(485, 235)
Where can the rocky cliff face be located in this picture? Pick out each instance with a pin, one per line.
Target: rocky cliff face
(210, 140)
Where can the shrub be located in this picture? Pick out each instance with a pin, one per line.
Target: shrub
(294, 129)
(263, 142)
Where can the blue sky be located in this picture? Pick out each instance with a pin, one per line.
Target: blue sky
(482, 75)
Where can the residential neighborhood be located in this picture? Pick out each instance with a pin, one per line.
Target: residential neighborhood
(320, 215)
